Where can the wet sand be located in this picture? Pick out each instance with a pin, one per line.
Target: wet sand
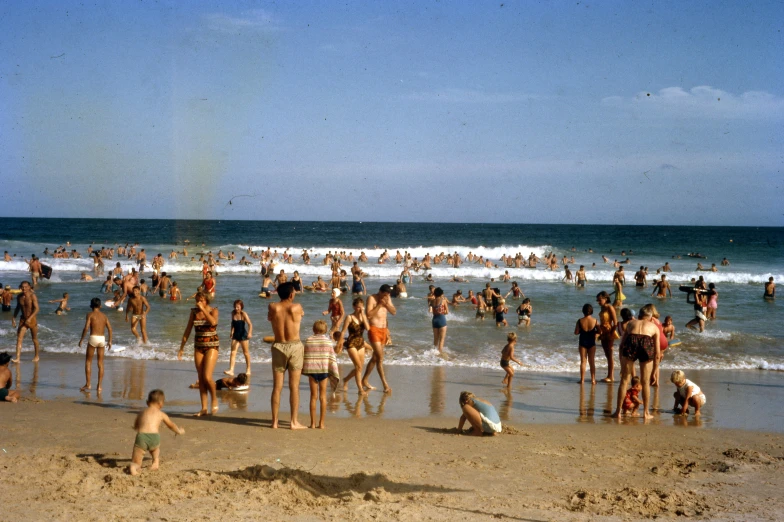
(65, 453)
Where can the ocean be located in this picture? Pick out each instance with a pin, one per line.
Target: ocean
(747, 333)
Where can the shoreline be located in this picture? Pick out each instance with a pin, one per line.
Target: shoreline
(737, 399)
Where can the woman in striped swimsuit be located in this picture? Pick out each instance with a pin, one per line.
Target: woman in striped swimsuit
(204, 319)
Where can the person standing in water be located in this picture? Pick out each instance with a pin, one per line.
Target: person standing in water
(378, 307)
(608, 322)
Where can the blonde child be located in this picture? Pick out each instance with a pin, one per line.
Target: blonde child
(319, 364)
(147, 437)
(631, 402)
(507, 354)
(500, 310)
(687, 394)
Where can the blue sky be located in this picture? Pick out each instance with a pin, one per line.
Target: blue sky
(511, 112)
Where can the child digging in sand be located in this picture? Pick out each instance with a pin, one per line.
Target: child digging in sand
(507, 354)
(631, 402)
(6, 393)
(320, 364)
(687, 394)
(147, 437)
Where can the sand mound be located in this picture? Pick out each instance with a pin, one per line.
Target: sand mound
(642, 502)
(750, 456)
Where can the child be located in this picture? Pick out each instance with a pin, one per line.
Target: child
(63, 304)
(174, 292)
(631, 402)
(6, 380)
(481, 306)
(669, 328)
(147, 437)
(240, 333)
(688, 394)
(320, 364)
(507, 354)
(238, 383)
(524, 312)
(97, 322)
(500, 310)
(626, 316)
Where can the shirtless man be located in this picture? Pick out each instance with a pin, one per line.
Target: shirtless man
(770, 289)
(580, 278)
(138, 307)
(163, 285)
(96, 322)
(639, 277)
(287, 351)
(489, 293)
(660, 288)
(281, 278)
(725, 262)
(666, 267)
(378, 306)
(27, 304)
(35, 270)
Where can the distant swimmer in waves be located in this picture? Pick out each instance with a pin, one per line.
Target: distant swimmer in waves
(580, 277)
(725, 262)
(770, 289)
(666, 267)
(639, 277)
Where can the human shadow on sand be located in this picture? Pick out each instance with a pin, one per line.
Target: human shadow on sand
(333, 486)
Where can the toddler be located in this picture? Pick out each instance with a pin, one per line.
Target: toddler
(147, 437)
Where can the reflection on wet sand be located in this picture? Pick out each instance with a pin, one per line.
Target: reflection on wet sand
(587, 410)
(353, 407)
(131, 386)
(505, 407)
(235, 400)
(437, 398)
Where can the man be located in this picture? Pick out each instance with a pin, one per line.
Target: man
(770, 289)
(639, 277)
(138, 307)
(378, 305)
(27, 304)
(287, 351)
(660, 288)
(35, 270)
(580, 278)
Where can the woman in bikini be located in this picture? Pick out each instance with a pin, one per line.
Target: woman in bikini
(640, 342)
(607, 332)
(355, 324)
(204, 319)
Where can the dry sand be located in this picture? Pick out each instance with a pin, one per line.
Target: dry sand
(65, 460)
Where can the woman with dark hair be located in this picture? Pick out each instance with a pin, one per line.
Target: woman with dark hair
(240, 333)
(640, 342)
(440, 309)
(587, 329)
(355, 324)
(204, 319)
(607, 331)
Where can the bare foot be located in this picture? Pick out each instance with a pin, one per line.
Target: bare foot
(616, 415)
(86, 387)
(247, 372)
(298, 426)
(322, 427)
(388, 390)
(133, 469)
(647, 416)
(194, 386)
(635, 414)
(275, 425)
(16, 361)
(155, 466)
(202, 413)
(214, 410)
(345, 387)
(368, 387)
(579, 382)
(13, 399)
(607, 379)
(35, 359)
(99, 389)
(228, 372)
(593, 382)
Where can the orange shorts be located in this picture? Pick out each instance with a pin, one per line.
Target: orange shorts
(378, 335)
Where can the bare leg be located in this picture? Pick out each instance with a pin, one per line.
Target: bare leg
(156, 458)
(19, 337)
(583, 363)
(232, 357)
(323, 401)
(358, 358)
(88, 367)
(313, 397)
(198, 360)
(294, 376)
(627, 366)
(645, 378)
(246, 351)
(206, 382)
(136, 461)
(100, 367)
(34, 333)
(592, 363)
(473, 418)
(143, 322)
(368, 370)
(134, 322)
(378, 355)
(441, 339)
(607, 346)
(277, 387)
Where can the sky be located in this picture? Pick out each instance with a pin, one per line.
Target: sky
(610, 112)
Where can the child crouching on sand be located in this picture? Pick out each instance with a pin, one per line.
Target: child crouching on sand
(632, 402)
(147, 437)
(320, 364)
(6, 393)
(688, 394)
(507, 354)
(239, 383)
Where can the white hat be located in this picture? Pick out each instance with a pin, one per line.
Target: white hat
(335, 292)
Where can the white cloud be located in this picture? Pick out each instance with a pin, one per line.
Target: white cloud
(701, 102)
(255, 19)
(468, 96)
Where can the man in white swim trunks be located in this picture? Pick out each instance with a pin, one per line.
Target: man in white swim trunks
(96, 322)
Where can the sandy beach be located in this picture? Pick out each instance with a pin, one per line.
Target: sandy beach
(66, 453)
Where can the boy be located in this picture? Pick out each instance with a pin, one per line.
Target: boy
(62, 305)
(138, 307)
(320, 364)
(632, 402)
(6, 380)
(147, 437)
(687, 394)
(97, 322)
(507, 354)
(239, 383)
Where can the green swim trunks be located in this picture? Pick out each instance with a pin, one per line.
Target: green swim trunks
(147, 441)
(3, 394)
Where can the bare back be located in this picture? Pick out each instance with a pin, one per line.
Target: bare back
(285, 317)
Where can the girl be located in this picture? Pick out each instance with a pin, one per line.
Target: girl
(440, 309)
(241, 332)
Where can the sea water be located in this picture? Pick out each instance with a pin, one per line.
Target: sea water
(747, 333)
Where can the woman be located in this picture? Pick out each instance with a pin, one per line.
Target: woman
(607, 333)
(355, 324)
(439, 308)
(618, 292)
(480, 414)
(205, 348)
(209, 285)
(358, 286)
(297, 282)
(335, 310)
(241, 332)
(640, 342)
(587, 329)
(713, 301)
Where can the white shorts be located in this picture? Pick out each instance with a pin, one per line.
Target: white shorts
(98, 341)
(403, 294)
